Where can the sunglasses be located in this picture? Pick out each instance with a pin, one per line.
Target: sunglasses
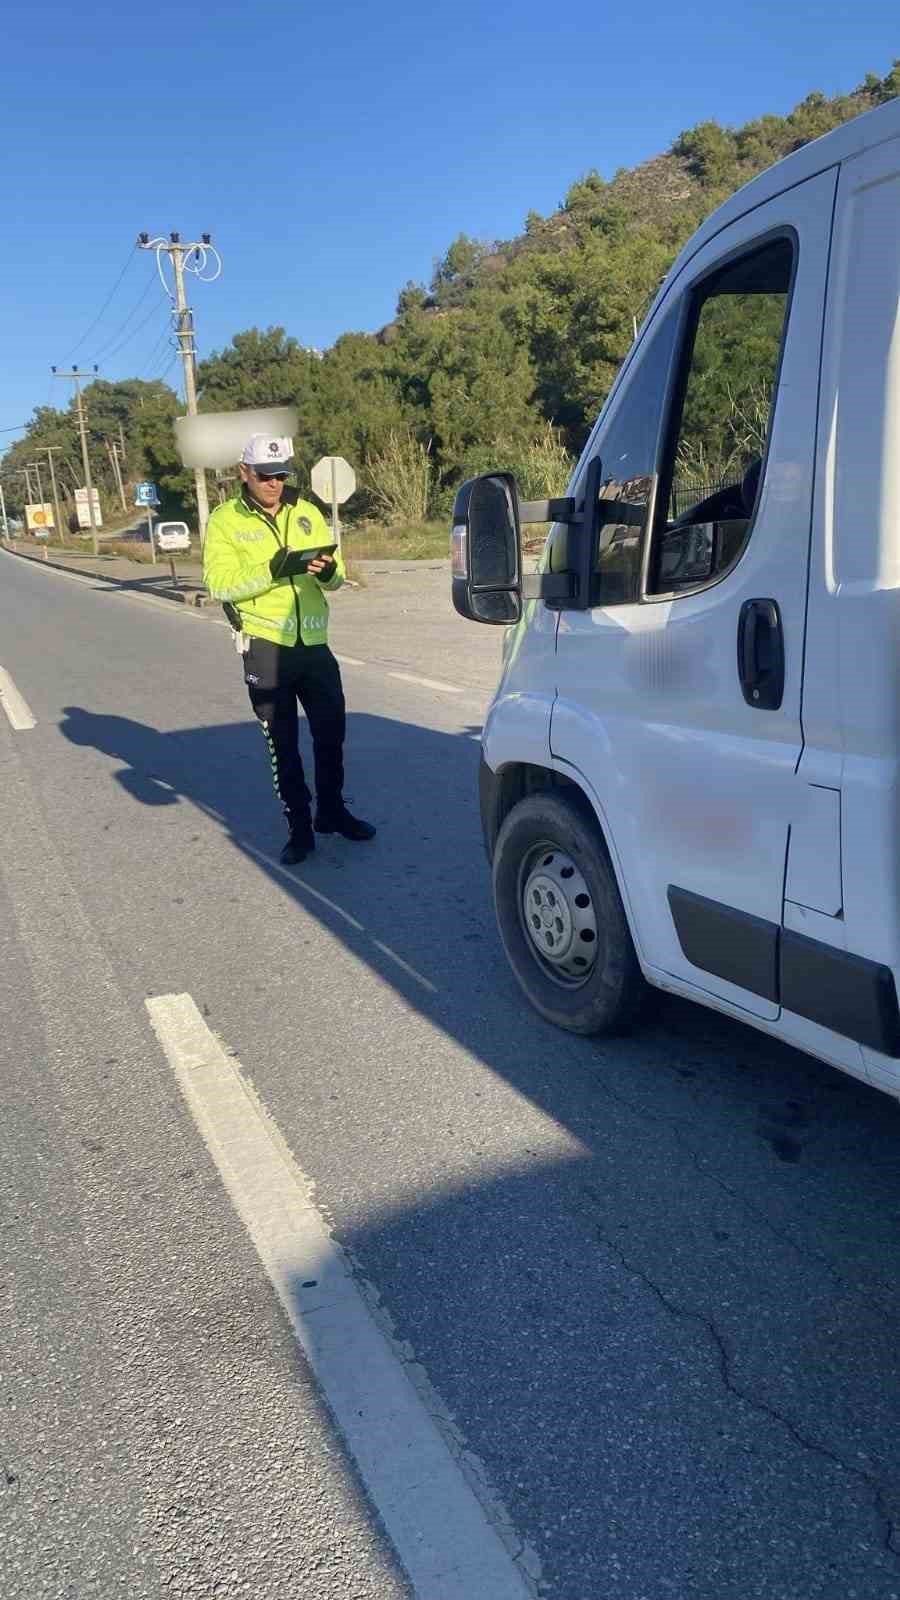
(266, 477)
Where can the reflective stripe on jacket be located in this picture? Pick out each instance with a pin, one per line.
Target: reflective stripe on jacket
(241, 540)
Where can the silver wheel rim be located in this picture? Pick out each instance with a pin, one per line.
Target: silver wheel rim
(558, 914)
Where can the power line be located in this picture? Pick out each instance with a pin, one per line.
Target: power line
(108, 354)
(123, 325)
(164, 368)
(157, 352)
(162, 373)
(107, 302)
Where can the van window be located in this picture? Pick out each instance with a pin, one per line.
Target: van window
(724, 401)
(628, 445)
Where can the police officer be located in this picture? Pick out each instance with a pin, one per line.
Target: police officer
(257, 561)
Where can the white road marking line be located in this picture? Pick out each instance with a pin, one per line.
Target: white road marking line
(426, 683)
(291, 877)
(16, 708)
(453, 1544)
(411, 971)
(349, 661)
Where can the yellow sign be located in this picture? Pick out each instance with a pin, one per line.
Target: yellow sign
(38, 516)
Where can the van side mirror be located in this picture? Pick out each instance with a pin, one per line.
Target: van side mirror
(486, 550)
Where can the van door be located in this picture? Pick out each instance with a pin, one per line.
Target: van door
(679, 690)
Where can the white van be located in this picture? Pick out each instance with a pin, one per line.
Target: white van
(691, 767)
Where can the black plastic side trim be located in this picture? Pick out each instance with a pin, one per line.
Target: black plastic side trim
(489, 803)
(548, 586)
(849, 994)
(559, 510)
(731, 944)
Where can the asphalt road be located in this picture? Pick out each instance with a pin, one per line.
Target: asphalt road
(647, 1287)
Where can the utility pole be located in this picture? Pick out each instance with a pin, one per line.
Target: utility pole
(184, 329)
(59, 527)
(3, 514)
(75, 377)
(118, 462)
(112, 450)
(37, 472)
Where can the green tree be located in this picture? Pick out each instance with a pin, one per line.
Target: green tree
(258, 368)
(710, 152)
(586, 193)
(458, 270)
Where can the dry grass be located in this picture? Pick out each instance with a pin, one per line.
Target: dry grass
(128, 549)
(400, 479)
(416, 541)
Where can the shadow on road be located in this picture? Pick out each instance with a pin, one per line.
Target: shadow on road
(675, 1349)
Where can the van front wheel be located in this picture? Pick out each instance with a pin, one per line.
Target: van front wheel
(561, 918)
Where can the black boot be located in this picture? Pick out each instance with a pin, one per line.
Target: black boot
(344, 823)
(302, 843)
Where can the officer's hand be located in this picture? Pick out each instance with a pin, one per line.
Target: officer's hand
(323, 569)
(284, 564)
(293, 563)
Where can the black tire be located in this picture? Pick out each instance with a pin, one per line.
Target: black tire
(608, 998)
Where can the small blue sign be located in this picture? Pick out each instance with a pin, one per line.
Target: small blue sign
(145, 495)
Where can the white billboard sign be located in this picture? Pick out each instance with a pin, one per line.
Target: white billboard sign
(81, 508)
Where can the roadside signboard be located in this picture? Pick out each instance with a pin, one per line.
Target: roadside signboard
(82, 511)
(39, 519)
(145, 494)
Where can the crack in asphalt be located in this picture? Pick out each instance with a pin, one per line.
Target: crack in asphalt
(762, 1407)
(702, 1166)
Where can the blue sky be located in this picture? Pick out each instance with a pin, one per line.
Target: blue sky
(335, 151)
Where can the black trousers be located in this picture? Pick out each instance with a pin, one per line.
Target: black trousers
(277, 676)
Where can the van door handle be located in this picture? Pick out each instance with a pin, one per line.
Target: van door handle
(760, 652)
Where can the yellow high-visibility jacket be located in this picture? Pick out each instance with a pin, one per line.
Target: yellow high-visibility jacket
(241, 540)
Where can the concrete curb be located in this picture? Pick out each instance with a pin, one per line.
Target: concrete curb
(161, 591)
(368, 567)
